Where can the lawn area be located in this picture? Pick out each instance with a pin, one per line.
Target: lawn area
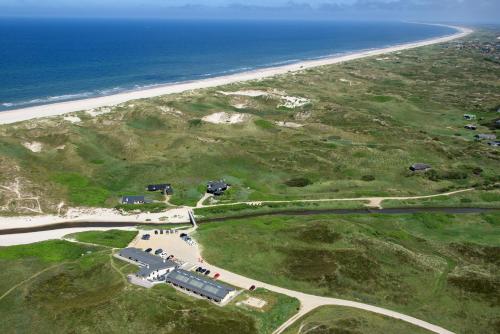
(111, 238)
(442, 268)
(84, 290)
(357, 139)
(338, 319)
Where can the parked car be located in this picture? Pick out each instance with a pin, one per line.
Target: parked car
(252, 288)
(207, 272)
(161, 231)
(148, 250)
(216, 276)
(163, 255)
(202, 270)
(158, 251)
(182, 235)
(198, 269)
(156, 232)
(170, 257)
(146, 237)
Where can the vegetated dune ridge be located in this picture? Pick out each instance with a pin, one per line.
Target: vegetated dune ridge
(18, 115)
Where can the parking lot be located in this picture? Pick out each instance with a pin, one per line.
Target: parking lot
(171, 243)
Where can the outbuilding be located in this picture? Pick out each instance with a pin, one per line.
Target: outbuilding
(487, 136)
(134, 200)
(469, 117)
(470, 127)
(420, 167)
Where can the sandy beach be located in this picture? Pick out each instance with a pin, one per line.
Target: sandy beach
(61, 108)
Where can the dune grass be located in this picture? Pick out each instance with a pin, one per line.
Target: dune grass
(111, 238)
(358, 139)
(438, 267)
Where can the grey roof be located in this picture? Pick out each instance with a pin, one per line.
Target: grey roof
(419, 166)
(148, 262)
(201, 285)
(485, 136)
(216, 185)
(132, 199)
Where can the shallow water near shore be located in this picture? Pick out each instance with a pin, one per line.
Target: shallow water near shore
(45, 61)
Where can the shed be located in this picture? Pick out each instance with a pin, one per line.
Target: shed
(469, 116)
(417, 167)
(487, 136)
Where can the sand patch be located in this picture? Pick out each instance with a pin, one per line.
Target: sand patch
(33, 146)
(171, 111)
(292, 102)
(249, 93)
(346, 81)
(289, 124)
(72, 119)
(98, 111)
(239, 105)
(61, 147)
(254, 302)
(225, 118)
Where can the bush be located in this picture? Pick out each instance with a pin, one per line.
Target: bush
(262, 123)
(194, 122)
(368, 178)
(298, 182)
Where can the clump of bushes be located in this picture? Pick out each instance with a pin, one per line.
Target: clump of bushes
(194, 122)
(368, 178)
(434, 175)
(298, 182)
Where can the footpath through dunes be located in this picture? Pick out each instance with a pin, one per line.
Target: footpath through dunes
(61, 108)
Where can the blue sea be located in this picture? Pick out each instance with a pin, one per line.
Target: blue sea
(51, 60)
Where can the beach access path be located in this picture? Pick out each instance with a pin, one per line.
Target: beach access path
(12, 116)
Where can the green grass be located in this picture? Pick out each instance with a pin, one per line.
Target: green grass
(277, 310)
(111, 238)
(338, 319)
(48, 251)
(90, 294)
(478, 198)
(146, 207)
(387, 120)
(438, 267)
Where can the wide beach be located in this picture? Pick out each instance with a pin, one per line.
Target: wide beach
(61, 108)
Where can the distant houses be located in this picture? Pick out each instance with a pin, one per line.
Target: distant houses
(217, 187)
(165, 188)
(485, 136)
(495, 143)
(420, 167)
(470, 127)
(135, 200)
(469, 117)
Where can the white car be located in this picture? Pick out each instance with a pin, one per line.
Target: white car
(164, 255)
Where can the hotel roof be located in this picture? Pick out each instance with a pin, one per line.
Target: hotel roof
(201, 285)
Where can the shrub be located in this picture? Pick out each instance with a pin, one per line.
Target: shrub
(368, 178)
(194, 122)
(298, 182)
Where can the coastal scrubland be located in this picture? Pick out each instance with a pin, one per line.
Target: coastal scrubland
(111, 238)
(441, 268)
(345, 130)
(63, 287)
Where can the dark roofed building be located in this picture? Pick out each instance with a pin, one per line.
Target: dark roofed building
(216, 187)
(419, 167)
(165, 188)
(134, 200)
(487, 136)
(151, 267)
(199, 285)
(495, 143)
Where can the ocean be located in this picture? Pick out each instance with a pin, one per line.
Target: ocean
(52, 60)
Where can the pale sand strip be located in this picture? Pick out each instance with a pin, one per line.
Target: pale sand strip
(111, 100)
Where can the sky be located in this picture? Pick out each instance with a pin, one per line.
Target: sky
(473, 11)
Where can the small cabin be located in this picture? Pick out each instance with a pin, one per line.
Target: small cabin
(487, 136)
(470, 127)
(134, 200)
(469, 117)
(420, 167)
(165, 188)
(217, 187)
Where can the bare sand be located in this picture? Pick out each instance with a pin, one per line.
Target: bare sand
(112, 100)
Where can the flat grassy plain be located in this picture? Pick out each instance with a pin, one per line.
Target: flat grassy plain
(338, 319)
(111, 238)
(367, 122)
(442, 268)
(84, 290)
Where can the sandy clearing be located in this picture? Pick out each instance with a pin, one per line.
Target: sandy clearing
(72, 119)
(225, 118)
(112, 100)
(292, 102)
(33, 146)
(249, 93)
(286, 124)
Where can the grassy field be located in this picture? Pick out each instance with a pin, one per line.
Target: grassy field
(83, 290)
(367, 122)
(111, 238)
(338, 319)
(441, 268)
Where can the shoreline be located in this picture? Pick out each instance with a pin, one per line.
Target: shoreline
(61, 108)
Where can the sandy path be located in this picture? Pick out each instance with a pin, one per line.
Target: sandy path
(112, 100)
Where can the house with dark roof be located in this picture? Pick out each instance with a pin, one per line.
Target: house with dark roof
(199, 285)
(420, 167)
(486, 136)
(470, 127)
(217, 187)
(469, 117)
(151, 267)
(495, 143)
(165, 188)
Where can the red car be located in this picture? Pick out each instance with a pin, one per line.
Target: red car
(216, 276)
